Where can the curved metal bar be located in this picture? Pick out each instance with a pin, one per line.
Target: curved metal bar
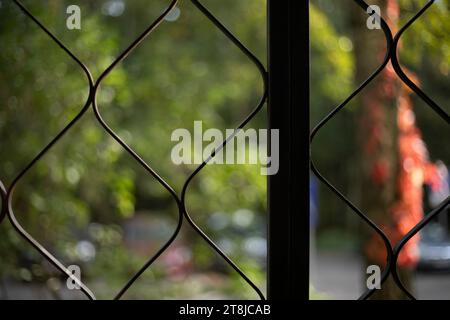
(94, 88)
(393, 254)
(137, 42)
(152, 259)
(6, 194)
(408, 236)
(98, 114)
(130, 151)
(402, 75)
(389, 41)
(260, 104)
(398, 69)
(10, 191)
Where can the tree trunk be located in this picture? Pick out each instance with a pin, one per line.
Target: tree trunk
(377, 109)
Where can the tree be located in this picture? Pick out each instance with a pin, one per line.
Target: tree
(394, 160)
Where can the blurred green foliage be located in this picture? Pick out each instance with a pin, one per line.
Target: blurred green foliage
(424, 51)
(87, 188)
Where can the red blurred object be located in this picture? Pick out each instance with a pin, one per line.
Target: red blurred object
(414, 168)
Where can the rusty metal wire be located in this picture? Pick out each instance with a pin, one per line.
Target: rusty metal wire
(94, 87)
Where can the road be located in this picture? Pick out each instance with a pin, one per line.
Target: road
(339, 277)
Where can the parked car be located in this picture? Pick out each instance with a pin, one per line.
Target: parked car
(435, 245)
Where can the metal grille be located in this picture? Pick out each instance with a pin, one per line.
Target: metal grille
(183, 214)
(392, 56)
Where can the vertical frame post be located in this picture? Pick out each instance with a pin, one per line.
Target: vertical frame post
(288, 190)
